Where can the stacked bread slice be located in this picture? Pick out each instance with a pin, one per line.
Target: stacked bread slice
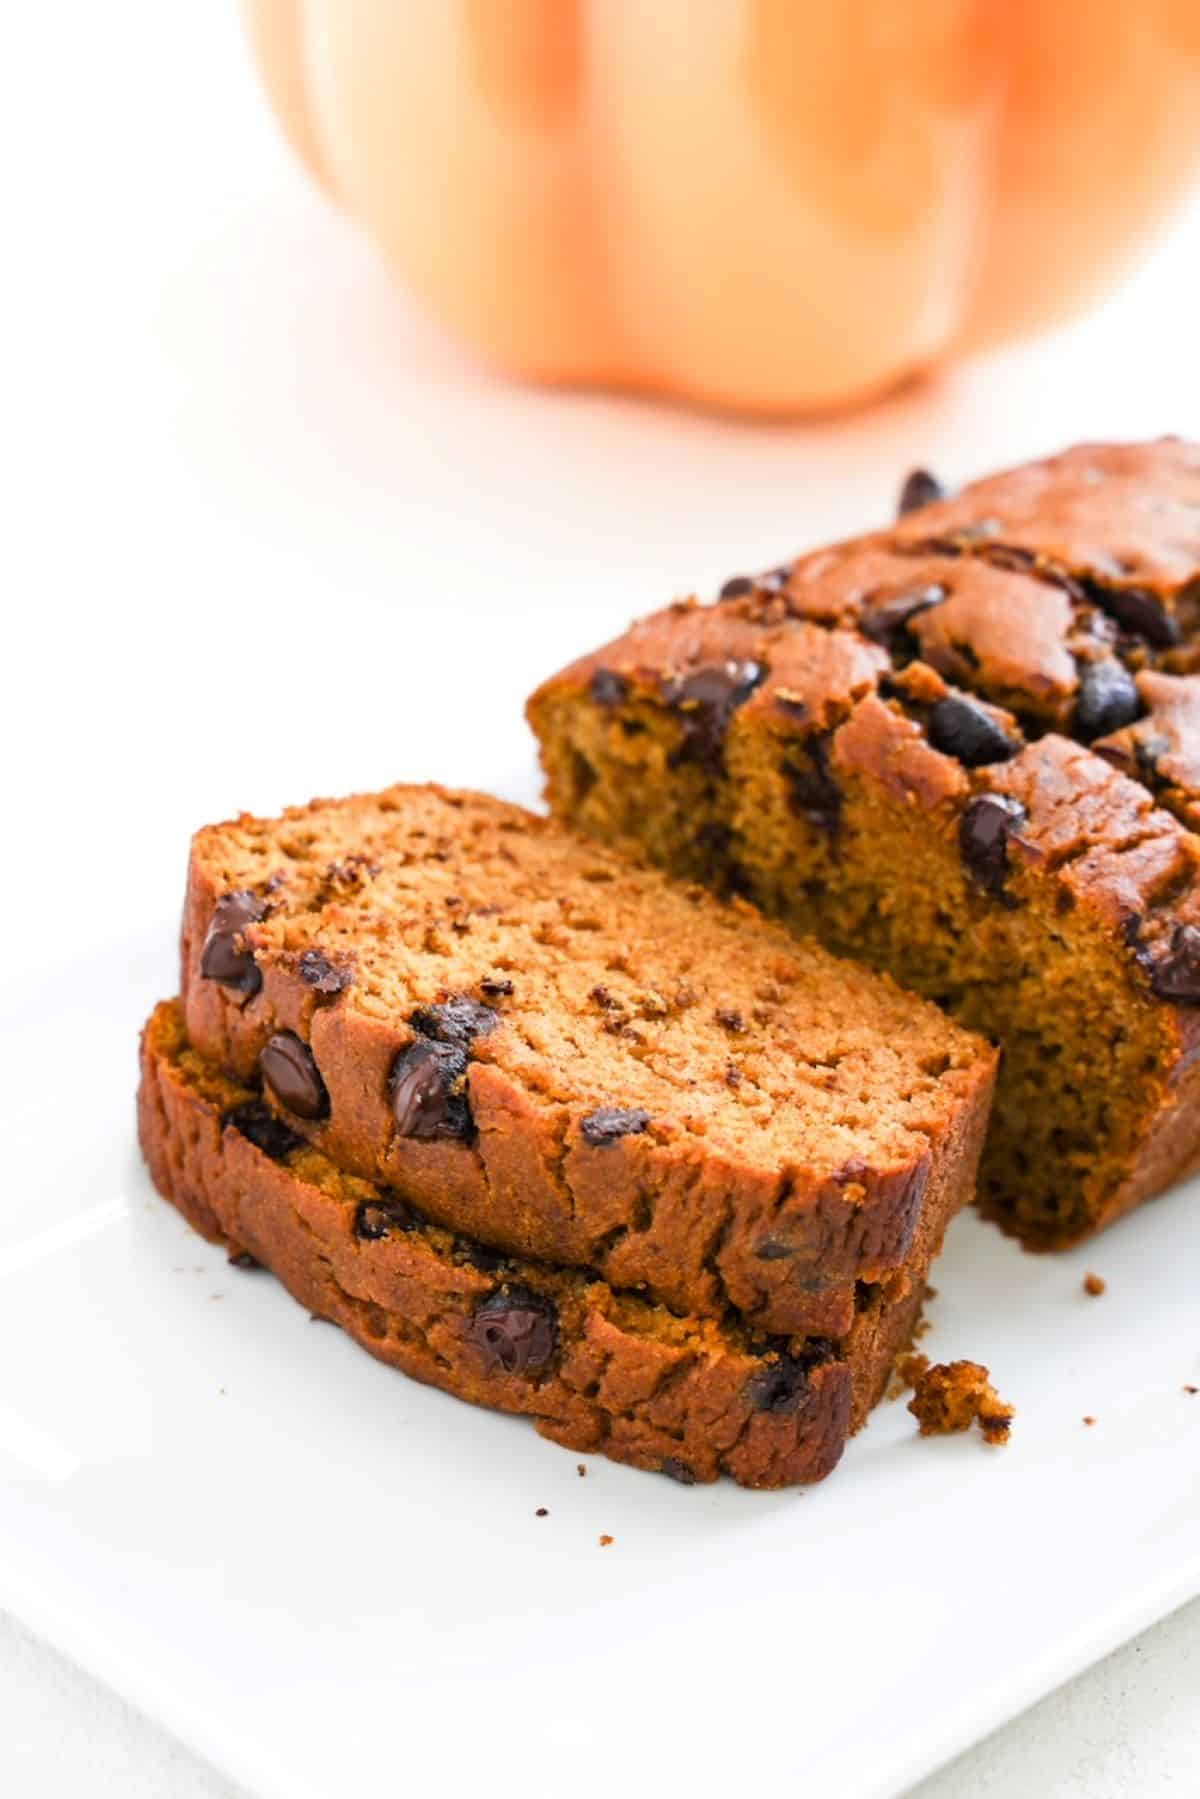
(561, 1136)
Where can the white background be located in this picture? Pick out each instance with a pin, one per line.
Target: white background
(215, 404)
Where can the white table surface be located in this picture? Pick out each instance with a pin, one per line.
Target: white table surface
(158, 229)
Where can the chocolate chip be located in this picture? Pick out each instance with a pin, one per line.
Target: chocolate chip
(772, 1250)
(225, 957)
(458, 1021)
(735, 587)
(885, 621)
(256, 1122)
(474, 1255)
(706, 701)
(241, 1258)
(606, 1124)
(607, 688)
(517, 1330)
(775, 579)
(1140, 613)
(381, 1217)
(428, 1095)
(1149, 752)
(1108, 699)
(674, 1469)
(963, 728)
(782, 1385)
(920, 488)
(730, 1020)
(812, 790)
(495, 986)
(983, 833)
(1176, 976)
(290, 1070)
(324, 976)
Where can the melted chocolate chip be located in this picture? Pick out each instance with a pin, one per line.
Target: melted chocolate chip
(496, 986)
(1139, 613)
(1176, 976)
(1108, 700)
(735, 587)
(607, 688)
(1148, 753)
(225, 957)
(256, 1121)
(241, 1258)
(775, 579)
(983, 833)
(458, 1021)
(772, 1250)
(961, 727)
(674, 1469)
(516, 1329)
(382, 1217)
(782, 1385)
(706, 701)
(429, 1100)
(885, 621)
(812, 790)
(730, 1020)
(322, 975)
(290, 1070)
(474, 1255)
(920, 488)
(606, 1124)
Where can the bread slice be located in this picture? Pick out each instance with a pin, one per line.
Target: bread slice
(567, 1057)
(598, 1370)
(966, 750)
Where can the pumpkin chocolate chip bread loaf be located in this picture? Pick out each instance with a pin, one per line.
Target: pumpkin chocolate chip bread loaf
(967, 750)
(598, 1370)
(566, 1056)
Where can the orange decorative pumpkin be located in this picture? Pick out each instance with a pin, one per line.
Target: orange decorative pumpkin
(769, 205)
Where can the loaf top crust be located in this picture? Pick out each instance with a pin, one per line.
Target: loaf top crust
(1036, 636)
(1125, 516)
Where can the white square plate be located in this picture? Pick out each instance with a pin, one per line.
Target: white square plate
(323, 1576)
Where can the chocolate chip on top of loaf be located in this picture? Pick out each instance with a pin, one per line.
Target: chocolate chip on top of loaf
(971, 757)
(599, 1370)
(562, 1054)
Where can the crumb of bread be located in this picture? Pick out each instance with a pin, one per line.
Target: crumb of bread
(1192, 1389)
(1094, 1284)
(951, 1396)
(906, 1373)
(1089, 1420)
(605, 1541)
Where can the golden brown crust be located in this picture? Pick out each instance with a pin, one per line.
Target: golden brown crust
(613, 1373)
(1124, 515)
(709, 1203)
